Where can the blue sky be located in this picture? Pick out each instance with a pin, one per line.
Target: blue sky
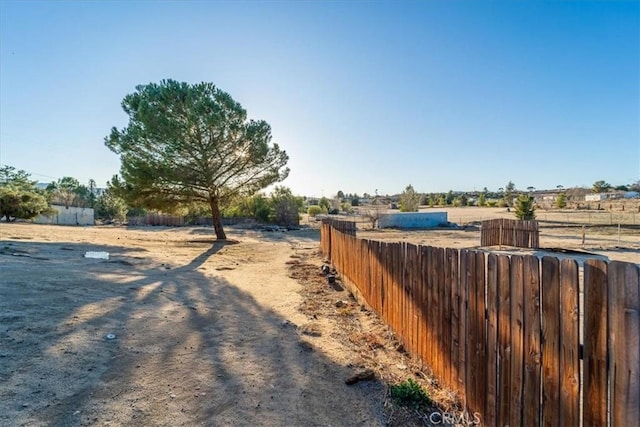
(363, 96)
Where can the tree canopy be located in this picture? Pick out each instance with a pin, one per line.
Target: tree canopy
(601, 187)
(68, 191)
(19, 197)
(409, 200)
(109, 206)
(186, 143)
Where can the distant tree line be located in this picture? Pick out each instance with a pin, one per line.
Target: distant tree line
(20, 198)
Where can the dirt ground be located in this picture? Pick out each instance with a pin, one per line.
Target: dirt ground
(240, 333)
(205, 333)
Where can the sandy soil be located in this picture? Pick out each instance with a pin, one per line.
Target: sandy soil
(206, 333)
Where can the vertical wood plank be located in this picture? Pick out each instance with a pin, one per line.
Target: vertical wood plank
(532, 350)
(517, 339)
(393, 286)
(624, 307)
(386, 285)
(594, 408)
(433, 307)
(472, 338)
(419, 304)
(442, 326)
(402, 272)
(480, 327)
(406, 297)
(504, 340)
(448, 318)
(408, 289)
(397, 282)
(424, 303)
(462, 335)
(455, 320)
(415, 272)
(550, 341)
(433, 318)
(490, 412)
(436, 311)
(569, 356)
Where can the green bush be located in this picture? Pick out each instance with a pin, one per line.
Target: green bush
(524, 207)
(346, 207)
(314, 210)
(409, 393)
(561, 201)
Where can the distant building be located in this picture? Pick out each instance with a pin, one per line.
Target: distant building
(595, 197)
(632, 195)
(68, 216)
(413, 220)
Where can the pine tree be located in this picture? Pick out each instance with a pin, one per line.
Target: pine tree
(524, 207)
(561, 201)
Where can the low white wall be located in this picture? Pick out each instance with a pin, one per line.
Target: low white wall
(68, 216)
(413, 220)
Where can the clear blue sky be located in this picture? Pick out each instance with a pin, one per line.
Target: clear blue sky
(362, 95)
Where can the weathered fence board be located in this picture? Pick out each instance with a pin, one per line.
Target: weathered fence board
(594, 408)
(492, 340)
(517, 339)
(624, 306)
(532, 350)
(551, 341)
(504, 341)
(569, 360)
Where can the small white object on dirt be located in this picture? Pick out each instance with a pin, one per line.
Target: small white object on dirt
(111, 337)
(98, 255)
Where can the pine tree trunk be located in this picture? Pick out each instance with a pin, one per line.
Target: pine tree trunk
(217, 222)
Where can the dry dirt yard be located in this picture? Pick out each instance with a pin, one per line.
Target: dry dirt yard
(205, 333)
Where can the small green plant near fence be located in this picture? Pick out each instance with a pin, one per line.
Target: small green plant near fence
(409, 393)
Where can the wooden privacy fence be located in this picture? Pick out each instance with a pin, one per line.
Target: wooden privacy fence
(346, 227)
(178, 221)
(510, 232)
(504, 331)
(156, 219)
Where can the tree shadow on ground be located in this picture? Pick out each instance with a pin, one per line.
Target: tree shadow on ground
(188, 348)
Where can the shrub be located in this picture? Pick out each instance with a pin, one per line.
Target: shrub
(346, 207)
(561, 201)
(409, 393)
(314, 210)
(524, 207)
